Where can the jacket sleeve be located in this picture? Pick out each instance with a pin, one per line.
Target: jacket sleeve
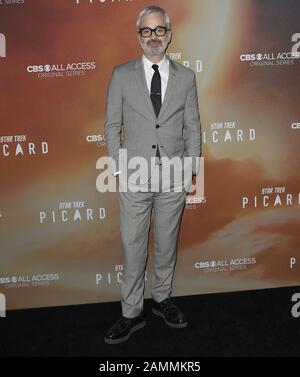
(113, 121)
(192, 126)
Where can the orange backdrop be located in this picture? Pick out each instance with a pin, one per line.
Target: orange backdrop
(60, 241)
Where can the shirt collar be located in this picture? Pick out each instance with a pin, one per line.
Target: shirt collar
(148, 63)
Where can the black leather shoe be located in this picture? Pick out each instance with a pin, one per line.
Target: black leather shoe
(123, 328)
(171, 314)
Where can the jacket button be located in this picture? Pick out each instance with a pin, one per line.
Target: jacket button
(157, 126)
(153, 146)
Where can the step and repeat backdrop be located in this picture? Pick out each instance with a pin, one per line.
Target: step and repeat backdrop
(60, 240)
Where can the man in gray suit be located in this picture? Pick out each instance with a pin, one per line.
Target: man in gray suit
(153, 100)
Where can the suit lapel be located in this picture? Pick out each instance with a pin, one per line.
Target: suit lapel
(142, 84)
(170, 88)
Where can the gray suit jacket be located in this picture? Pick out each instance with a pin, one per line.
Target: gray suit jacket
(129, 107)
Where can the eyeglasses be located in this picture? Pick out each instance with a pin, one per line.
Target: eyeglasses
(159, 31)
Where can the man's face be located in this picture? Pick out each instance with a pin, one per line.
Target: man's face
(154, 45)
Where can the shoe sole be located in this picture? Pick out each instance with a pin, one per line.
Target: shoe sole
(121, 340)
(161, 315)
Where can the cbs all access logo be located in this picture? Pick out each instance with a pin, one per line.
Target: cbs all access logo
(263, 59)
(98, 139)
(27, 281)
(61, 70)
(295, 126)
(225, 265)
(12, 2)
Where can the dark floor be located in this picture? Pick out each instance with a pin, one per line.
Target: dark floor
(252, 323)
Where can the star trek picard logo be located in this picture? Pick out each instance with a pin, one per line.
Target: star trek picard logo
(227, 133)
(71, 212)
(112, 277)
(293, 262)
(195, 65)
(18, 146)
(271, 197)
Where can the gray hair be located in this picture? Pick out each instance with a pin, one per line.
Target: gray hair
(153, 9)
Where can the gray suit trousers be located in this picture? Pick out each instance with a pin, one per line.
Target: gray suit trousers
(136, 209)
